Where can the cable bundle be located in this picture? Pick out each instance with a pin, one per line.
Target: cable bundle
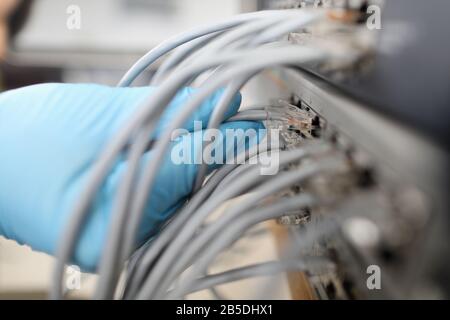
(229, 53)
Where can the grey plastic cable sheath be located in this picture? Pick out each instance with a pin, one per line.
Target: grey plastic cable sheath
(287, 26)
(185, 213)
(113, 258)
(257, 115)
(239, 37)
(303, 240)
(170, 231)
(240, 33)
(231, 229)
(276, 30)
(180, 55)
(281, 182)
(167, 233)
(214, 121)
(223, 42)
(180, 39)
(251, 271)
(150, 107)
(283, 56)
(284, 180)
(247, 180)
(110, 265)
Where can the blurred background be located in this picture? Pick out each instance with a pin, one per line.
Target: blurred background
(113, 34)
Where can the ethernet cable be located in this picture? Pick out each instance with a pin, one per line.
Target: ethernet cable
(305, 18)
(232, 232)
(258, 107)
(183, 217)
(251, 271)
(215, 120)
(169, 232)
(287, 55)
(258, 115)
(180, 55)
(305, 238)
(284, 159)
(212, 183)
(233, 229)
(106, 159)
(226, 42)
(260, 270)
(287, 26)
(271, 28)
(153, 107)
(108, 264)
(247, 29)
(187, 213)
(110, 259)
(175, 255)
(233, 214)
(222, 43)
(178, 40)
(299, 154)
(228, 39)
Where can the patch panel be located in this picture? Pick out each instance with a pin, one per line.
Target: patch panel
(399, 201)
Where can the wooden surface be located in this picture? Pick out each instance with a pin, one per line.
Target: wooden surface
(297, 281)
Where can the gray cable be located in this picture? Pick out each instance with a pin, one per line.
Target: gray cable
(150, 108)
(218, 113)
(180, 39)
(287, 56)
(267, 189)
(272, 34)
(257, 115)
(228, 229)
(171, 254)
(180, 55)
(109, 267)
(251, 271)
(226, 41)
(276, 30)
(291, 255)
(168, 233)
(246, 183)
(100, 170)
(153, 109)
(259, 107)
(185, 213)
(217, 117)
(303, 239)
(171, 228)
(214, 121)
(238, 38)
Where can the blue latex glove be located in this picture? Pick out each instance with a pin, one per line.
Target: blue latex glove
(50, 135)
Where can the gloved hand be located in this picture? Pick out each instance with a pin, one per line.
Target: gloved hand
(50, 135)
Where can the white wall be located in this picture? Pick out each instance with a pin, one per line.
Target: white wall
(118, 25)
